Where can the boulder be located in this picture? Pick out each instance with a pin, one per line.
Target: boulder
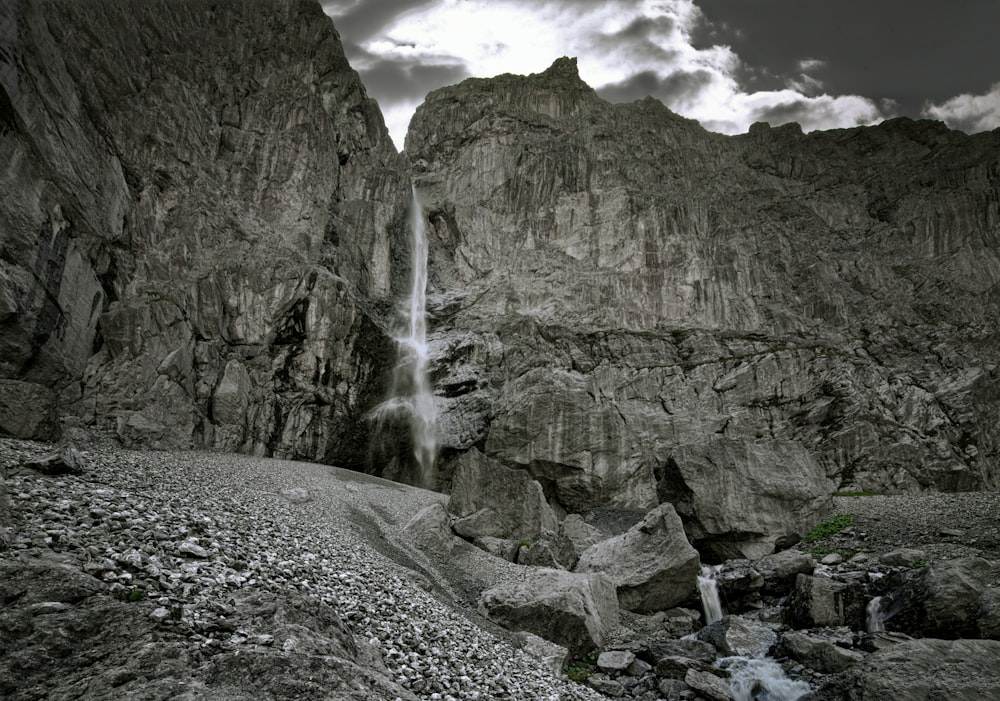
(739, 583)
(735, 635)
(615, 662)
(818, 653)
(903, 557)
(489, 499)
(652, 564)
(571, 609)
(738, 497)
(920, 670)
(709, 684)
(580, 533)
(687, 647)
(551, 550)
(64, 460)
(28, 410)
(943, 600)
(822, 601)
(429, 529)
(780, 570)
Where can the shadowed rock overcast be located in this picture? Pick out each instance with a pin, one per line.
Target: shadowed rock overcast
(649, 348)
(726, 63)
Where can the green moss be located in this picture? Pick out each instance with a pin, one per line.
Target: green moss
(579, 669)
(831, 527)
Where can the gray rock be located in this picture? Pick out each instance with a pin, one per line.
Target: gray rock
(676, 666)
(735, 635)
(818, 653)
(552, 657)
(296, 495)
(192, 549)
(551, 550)
(903, 557)
(944, 599)
(780, 570)
(615, 662)
(570, 609)
(580, 533)
(608, 687)
(150, 273)
(708, 685)
(737, 497)
(489, 499)
(821, 601)
(692, 648)
(65, 460)
(429, 529)
(498, 547)
(627, 329)
(958, 670)
(652, 564)
(28, 410)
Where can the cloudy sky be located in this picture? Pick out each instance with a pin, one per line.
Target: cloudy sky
(727, 63)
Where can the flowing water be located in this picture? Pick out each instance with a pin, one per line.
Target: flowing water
(411, 393)
(751, 678)
(875, 617)
(709, 590)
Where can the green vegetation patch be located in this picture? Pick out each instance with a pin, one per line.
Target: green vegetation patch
(579, 669)
(831, 527)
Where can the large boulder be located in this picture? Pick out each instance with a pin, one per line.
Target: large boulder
(822, 601)
(489, 499)
(571, 609)
(652, 564)
(818, 653)
(738, 497)
(946, 599)
(429, 529)
(920, 670)
(780, 570)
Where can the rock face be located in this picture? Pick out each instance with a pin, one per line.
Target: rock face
(615, 285)
(203, 224)
(652, 565)
(738, 498)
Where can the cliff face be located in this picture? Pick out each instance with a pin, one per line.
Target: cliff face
(616, 289)
(202, 225)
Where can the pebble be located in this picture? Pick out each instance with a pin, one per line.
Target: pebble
(258, 539)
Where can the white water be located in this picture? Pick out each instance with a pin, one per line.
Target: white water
(874, 623)
(411, 388)
(709, 590)
(761, 678)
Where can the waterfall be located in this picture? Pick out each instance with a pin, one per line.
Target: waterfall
(709, 590)
(761, 678)
(411, 388)
(874, 623)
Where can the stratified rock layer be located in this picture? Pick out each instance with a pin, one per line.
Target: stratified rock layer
(203, 223)
(612, 283)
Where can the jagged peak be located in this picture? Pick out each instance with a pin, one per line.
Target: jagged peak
(563, 67)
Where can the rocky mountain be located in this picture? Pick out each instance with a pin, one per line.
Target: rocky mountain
(202, 228)
(637, 310)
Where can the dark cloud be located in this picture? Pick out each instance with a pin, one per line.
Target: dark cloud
(357, 20)
(809, 114)
(909, 51)
(675, 87)
(390, 81)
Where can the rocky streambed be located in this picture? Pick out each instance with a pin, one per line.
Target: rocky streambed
(213, 576)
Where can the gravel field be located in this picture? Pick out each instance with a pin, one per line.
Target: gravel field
(943, 525)
(138, 519)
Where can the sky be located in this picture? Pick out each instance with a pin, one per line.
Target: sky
(825, 64)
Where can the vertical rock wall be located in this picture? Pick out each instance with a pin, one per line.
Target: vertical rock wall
(202, 230)
(613, 285)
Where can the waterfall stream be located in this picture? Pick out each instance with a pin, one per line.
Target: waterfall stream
(709, 590)
(411, 387)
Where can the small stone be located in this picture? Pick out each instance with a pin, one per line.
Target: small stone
(832, 559)
(615, 661)
(46, 607)
(192, 549)
(160, 614)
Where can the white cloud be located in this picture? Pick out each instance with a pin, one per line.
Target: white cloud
(969, 113)
(614, 43)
